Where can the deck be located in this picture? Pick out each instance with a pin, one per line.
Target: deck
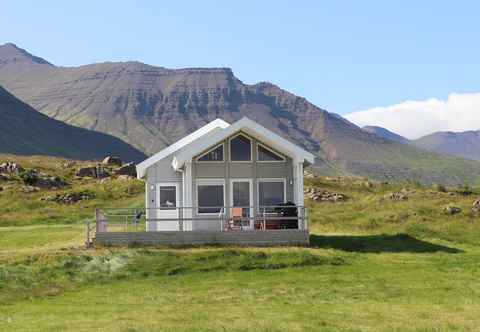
(128, 227)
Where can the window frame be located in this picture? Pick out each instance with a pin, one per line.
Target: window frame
(177, 196)
(209, 182)
(230, 148)
(259, 180)
(284, 159)
(197, 159)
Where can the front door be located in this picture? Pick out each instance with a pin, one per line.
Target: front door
(167, 210)
(241, 201)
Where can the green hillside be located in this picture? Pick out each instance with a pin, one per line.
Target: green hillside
(375, 264)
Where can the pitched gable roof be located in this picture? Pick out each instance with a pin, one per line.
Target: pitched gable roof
(251, 128)
(208, 128)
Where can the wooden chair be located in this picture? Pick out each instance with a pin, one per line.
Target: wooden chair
(235, 222)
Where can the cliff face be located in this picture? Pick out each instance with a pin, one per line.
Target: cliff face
(151, 107)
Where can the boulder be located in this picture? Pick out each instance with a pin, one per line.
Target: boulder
(476, 206)
(41, 180)
(69, 164)
(398, 196)
(320, 195)
(10, 168)
(112, 161)
(452, 209)
(49, 182)
(30, 189)
(125, 177)
(70, 198)
(127, 169)
(97, 172)
(87, 172)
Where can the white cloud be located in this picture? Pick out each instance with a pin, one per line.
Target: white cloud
(413, 119)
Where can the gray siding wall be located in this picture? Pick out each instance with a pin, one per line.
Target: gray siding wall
(161, 172)
(234, 170)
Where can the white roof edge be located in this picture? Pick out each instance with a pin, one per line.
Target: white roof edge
(250, 127)
(144, 165)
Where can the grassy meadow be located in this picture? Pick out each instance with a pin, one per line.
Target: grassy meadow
(374, 264)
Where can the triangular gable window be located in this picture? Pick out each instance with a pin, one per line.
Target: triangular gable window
(213, 155)
(265, 154)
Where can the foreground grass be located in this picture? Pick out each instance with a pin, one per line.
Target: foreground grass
(215, 289)
(373, 265)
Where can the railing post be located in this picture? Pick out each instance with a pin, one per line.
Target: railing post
(87, 243)
(305, 218)
(180, 219)
(96, 219)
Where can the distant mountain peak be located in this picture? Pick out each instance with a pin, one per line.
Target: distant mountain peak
(463, 144)
(385, 133)
(9, 52)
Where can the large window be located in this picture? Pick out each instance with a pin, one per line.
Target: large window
(240, 148)
(266, 154)
(213, 155)
(210, 196)
(271, 192)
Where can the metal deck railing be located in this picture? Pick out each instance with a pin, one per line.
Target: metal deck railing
(222, 218)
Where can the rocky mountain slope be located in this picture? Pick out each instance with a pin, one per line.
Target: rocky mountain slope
(24, 131)
(464, 144)
(151, 107)
(385, 133)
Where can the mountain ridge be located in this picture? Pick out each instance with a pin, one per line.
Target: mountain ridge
(151, 107)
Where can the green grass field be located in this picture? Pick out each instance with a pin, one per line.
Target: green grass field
(374, 265)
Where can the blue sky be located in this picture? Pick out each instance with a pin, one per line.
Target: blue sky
(342, 55)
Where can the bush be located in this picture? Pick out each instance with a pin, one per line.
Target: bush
(29, 177)
(465, 190)
(440, 188)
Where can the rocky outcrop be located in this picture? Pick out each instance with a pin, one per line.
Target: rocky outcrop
(321, 195)
(127, 169)
(476, 206)
(30, 189)
(451, 209)
(97, 172)
(41, 180)
(112, 161)
(10, 168)
(401, 195)
(70, 198)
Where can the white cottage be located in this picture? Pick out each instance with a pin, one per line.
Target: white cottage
(223, 172)
(224, 183)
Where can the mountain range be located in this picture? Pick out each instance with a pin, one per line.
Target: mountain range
(24, 131)
(461, 144)
(151, 107)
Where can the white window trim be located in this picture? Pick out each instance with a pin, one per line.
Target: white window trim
(177, 195)
(284, 180)
(230, 149)
(272, 151)
(250, 182)
(213, 181)
(210, 150)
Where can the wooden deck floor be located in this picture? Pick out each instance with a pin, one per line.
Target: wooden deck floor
(287, 237)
